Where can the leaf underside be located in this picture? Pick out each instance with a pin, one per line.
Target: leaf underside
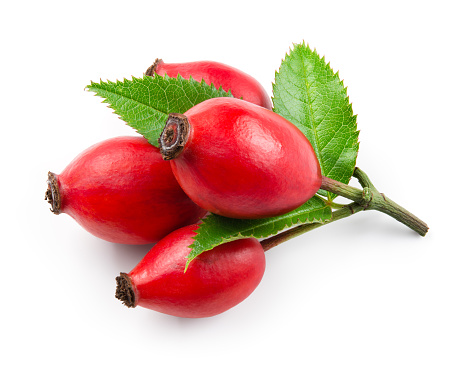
(216, 230)
(145, 103)
(310, 95)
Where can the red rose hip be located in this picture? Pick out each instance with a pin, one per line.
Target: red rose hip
(240, 84)
(239, 160)
(215, 281)
(121, 190)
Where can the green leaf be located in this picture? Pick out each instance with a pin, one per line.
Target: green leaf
(216, 230)
(144, 103)
(310, 95)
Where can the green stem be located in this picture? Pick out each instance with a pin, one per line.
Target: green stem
(371, 199)
(344, 212)
(367, 199)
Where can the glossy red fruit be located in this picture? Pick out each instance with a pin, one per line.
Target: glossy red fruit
(239, 83)
(239, 160)
(122, 191)
(214, 282)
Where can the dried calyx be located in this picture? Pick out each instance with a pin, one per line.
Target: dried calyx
(174, 136)
(152, 69)
(52, 194)
(124, 290)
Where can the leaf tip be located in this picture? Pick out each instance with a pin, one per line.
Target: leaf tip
(188, 261)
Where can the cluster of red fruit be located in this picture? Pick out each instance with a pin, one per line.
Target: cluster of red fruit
(233, 157)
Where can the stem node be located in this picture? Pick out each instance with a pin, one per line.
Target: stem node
(371, 199)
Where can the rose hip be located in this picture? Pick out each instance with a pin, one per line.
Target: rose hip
(122, 191)
(239, 83)
(214, 282)
(239, 160)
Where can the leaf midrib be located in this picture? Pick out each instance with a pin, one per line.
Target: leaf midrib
(275, 220)
(98, 90)
(313, 126)
(290, 217)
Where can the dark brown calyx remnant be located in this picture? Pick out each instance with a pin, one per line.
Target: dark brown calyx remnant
(124, 290)
(152, 69)
(52, 194)
(174, 136)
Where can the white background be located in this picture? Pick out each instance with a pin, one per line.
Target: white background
(364, 295)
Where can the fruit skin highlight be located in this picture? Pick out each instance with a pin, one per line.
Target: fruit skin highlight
(121, 190)
(239, 160)
(214, 282)
(240, 84)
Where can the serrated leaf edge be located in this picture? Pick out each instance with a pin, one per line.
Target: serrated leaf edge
(96, 90)
(239, 235)
(305, 46)
(102, 89)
